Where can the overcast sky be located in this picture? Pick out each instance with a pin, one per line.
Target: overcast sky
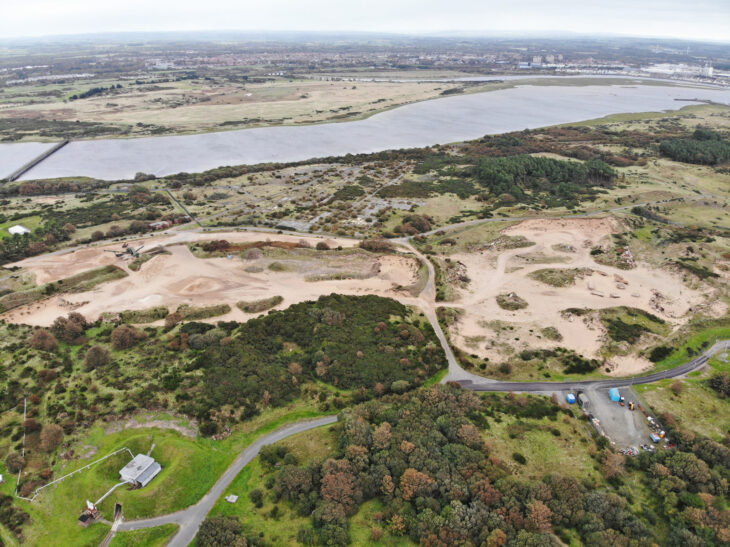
(696, 19)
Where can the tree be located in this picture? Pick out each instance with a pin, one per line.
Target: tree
(221, 532)
(414, 483)
(70, 228)
(97, 356)
(538, 517)
(51, 437)
(125, 337)
(677, 387)
(173, 319)
(257, 497)
(98, 235)
(43, 340)
(14, 462)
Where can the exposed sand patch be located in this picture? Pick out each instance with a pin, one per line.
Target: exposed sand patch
(181, 278)
(492, 273)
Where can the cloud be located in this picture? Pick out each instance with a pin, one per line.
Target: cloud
(702, 19)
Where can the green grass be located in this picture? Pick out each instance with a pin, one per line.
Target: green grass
(190, 468)
(32, 223)
(681, 356)
(697, 408)
(436, 378)
(362, 523)
(307, 447)
(149, 537)
(545, 452)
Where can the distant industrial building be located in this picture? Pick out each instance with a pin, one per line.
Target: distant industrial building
(140, 471)
(18, 230)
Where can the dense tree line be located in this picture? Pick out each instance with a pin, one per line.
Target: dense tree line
(424, 456)
(371, 344)
(520, 175)
(510, 179)
(705, 147)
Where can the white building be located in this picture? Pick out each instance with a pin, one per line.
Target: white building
(140, 471)
(18, 230)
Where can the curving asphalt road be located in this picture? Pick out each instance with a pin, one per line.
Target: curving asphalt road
(494, 385)
(191, 518)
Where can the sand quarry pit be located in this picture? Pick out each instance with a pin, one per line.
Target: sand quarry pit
(182, 278)
(487, 330)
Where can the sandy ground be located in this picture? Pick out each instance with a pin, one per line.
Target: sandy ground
(181, 278)
(493, 273)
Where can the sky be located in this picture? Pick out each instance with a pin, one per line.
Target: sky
(698, 19)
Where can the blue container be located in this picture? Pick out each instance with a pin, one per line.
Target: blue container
(570, 398)
(655, 437)
(614, 394)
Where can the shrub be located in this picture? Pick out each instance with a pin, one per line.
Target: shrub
(257, 306)
(125, 337)
(658, 353)
(51, 437)
(43, 340)
(510, 301)
(14, 462)
(97, 356)
(376, 245)
(519, 458)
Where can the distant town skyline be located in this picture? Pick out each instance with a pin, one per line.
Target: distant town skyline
(701, 20)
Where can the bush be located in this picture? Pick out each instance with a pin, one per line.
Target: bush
(659, 353)
(519, 458)
(376, 245)
(14, 462)
(221, 532)
(510, 301)
(125, 337)
(258, 306)
(257, 497)
(43, 340)
(51, 437)
(97, 356)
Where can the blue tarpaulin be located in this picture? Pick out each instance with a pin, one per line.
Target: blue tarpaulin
(570, 398)
(614, 394)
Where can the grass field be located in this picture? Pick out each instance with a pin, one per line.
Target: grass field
(559, 446)
(190, 468)
(697, 408)
(150, 537)
(31, 223)
(279, 528)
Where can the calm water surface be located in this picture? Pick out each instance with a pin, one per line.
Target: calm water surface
(439, 121)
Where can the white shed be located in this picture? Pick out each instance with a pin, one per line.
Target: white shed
(18, 230)
(140, 471)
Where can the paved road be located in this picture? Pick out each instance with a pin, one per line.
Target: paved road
(191, 518)
(694, 364)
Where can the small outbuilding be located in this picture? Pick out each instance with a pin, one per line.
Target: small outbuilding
(140, 471)
(18, 230)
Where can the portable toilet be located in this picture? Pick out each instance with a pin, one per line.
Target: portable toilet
(570, 398)
(614, 394)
